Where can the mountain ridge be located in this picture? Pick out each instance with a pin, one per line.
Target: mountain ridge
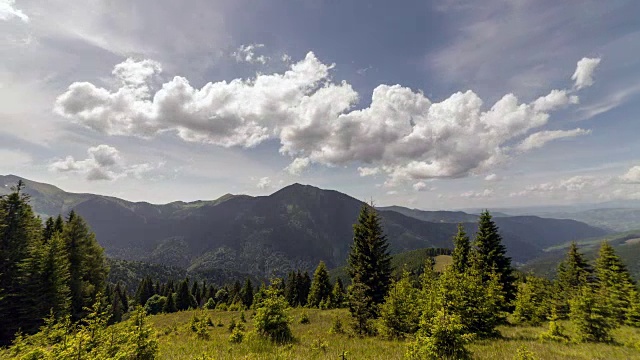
(294, 227)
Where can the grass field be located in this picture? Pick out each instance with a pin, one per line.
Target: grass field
(178, 341)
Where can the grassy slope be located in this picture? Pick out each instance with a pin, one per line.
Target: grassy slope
(177, 342)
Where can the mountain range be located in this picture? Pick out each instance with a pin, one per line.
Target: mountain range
(295, 227)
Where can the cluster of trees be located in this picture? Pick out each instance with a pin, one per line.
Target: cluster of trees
(479, 291)
(57, 268)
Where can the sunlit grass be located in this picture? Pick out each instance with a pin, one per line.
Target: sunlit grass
(313, 341)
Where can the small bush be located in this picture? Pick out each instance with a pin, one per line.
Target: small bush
(304, 318)
(524, 354)
(242, 318)
(236, 335)
(336, 326)
(319, 345)
(555, 332)
(210, 304)
(271, 320)
(232, 324)
(444, 337)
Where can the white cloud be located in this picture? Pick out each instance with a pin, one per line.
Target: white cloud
(583, 76)
(632, 176)
(368, 171)
(298, 166)
(8, 11)
(401, 133)
(482, 194)
(493, 177)
(264, 183)
(103, 163)
(247, 53)
(539, 139)
(422, 186)
(14, 158)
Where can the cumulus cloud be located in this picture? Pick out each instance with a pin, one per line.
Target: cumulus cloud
(247, 53)
(539, 139)
(103, 163)
(298, 166)
(401, 133)
(493, 177)
(583, 76)
(421, 186)
(264, 183)
(632, 176)
(8, 11)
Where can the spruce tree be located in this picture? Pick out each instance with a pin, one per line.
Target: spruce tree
(20, 237)
(87, 265)
(184, 299)
(532, 304)
(170, 304)
(633, 311)
(291, 289)
(489, 255)
(55, 277)
(320, 291)
(461, 250)
(338, 295)
(591, 315)
(303, 281)
(247, 294)
(573, 273)
(369, 259)
(614, 280)
(400, 313)
(195, 292)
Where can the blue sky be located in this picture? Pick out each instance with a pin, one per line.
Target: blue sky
(435, 105)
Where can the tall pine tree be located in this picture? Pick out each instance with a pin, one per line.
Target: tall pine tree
(573, 273)
(489, 256)
(461, 250)
(614, 281)
(369, 260)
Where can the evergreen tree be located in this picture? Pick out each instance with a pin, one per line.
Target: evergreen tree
(338, 295)
(88, 269)
(184, 299)
(360, 308)
(320, 286)
(489, 256)
(591, 315)
(461, 250)
(48, 229)
(122, 294)
(145, 291)
(291, 289)
(20, 235)
(369, 259)
(56, 297)
(573, 273)
(195, 292)
(400, 313)
(633, 311)
(614, 281)
(303, 281)
(271, 319)
(442, 337)
(170, 304)
(532, 301)
(247, 294)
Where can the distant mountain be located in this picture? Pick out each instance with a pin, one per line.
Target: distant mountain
(295, 227)
(615, 219)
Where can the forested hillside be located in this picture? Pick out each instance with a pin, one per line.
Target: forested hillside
(293, 228)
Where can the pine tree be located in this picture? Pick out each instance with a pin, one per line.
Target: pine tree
(400, 313)
(291, 289)
(195, 292)
(303, 281)
(338, 295)
(87, 264)
(614, 281)
(461, 250)
(532, 301)
(441, 337)
(55, 278)
(123, 297)
(573, 273)
(591, 315)
(633, 311)
(369, 259)
(362, 313)
(271, 319)
(184, 299)
(20, 235)
(489, 256)
(170, 304)
(247, 294)
(320, 286)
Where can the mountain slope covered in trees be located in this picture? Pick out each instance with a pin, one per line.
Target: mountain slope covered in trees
(293, 228)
